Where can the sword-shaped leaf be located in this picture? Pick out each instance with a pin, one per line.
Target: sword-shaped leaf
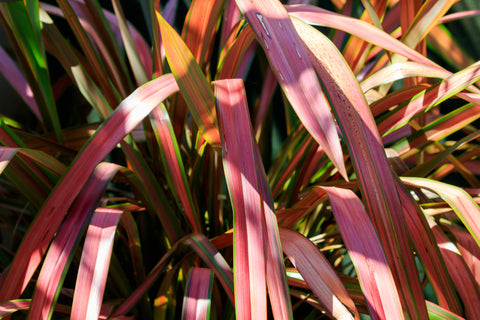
(194, 86)
(173, 163)
(96, 254)
(125, 118)
(256, 241)
(295, 74)
(198, 294)
(9, 307)
(359, 28)
(431, 97)
(61, 251)
(461, 202)
(375, 178)
(319, 274)
(199, 28)
(367, 254)
(24, 29)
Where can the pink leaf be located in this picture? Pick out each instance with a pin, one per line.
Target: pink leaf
(125, 118)
(367, 254)
(295, 74)
(61, 251)
(92, 274)
(198, 291)
(319, 274)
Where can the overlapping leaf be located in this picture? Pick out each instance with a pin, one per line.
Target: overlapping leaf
(288, 59)
(256, 242)
(375, 178)
(319, 274)
(367, 254)
(193, 85)
(62, 249)
(24, 29)
(127, 116)
(96, 254)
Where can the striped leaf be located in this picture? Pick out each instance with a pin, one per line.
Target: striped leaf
(125, 118)
(198, 294)
(173, 163)
(9, 307)
(256, 243)
(319, 274)
(367, 254)
(24, 30)
(464, 206)
(61, 251)
(194, 87)
(96, 254)
(371, 167)
(295, 74)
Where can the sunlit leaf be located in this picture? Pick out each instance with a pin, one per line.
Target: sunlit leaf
(126, 117)
(198, 294)
(368, 156)
(63, 247)
(6, 308)
(256, 244)
(194, 87)
(295, 74)
(463, 205)
(92, 274)
(319, 274)
(367, 254)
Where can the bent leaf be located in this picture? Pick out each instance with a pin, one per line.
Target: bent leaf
(295, 74)
(366, 253)
(125, 118)
(62, 249)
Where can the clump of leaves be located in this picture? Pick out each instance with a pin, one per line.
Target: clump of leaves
(243, 159)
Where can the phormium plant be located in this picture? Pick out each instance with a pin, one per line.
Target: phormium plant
(239, 159)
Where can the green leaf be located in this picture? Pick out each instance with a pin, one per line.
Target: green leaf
(194, 87)
(25, 32)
